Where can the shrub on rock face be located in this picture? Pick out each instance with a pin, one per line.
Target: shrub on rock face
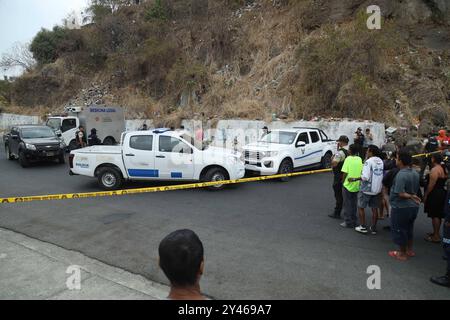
(5, 92)
(45, 44)
(157, 12)
(48, 45)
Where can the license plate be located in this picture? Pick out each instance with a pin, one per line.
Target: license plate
(51, 153)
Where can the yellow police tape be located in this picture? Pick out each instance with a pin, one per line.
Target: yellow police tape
(152, 189)
(69, 196)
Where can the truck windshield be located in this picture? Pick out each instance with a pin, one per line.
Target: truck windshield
(37, 133)
(197, 144)
(279, 137)
(55, 124)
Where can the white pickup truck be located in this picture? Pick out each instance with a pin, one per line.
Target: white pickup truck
(161, 154)
(283, 151)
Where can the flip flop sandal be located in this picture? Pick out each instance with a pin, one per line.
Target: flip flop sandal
(411, 254)
(430, 239)
(396, 255)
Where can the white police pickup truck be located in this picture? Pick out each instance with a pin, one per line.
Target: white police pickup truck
(283, 151)
(161, 154)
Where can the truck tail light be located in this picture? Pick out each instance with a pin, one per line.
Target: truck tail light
(71, 160)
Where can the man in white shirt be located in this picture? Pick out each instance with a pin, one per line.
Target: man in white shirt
(371, 188)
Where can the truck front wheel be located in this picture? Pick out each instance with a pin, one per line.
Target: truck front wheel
(326, 161)
(286, 167)
(213, 175)
(23, 160)
(109, 178)
(73, 145)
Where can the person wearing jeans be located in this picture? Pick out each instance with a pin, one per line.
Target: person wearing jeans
(405, 204)
(351, 171)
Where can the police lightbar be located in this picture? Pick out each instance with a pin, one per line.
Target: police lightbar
(73, 109)
(161, 130)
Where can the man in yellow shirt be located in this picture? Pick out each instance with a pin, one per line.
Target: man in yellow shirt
(351, 170)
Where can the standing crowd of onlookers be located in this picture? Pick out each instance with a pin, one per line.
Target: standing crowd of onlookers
(364, 177)
(388, 184)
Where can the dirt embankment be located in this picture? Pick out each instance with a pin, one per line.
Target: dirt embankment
(253, 59)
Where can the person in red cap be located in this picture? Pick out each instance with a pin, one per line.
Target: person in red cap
(443, 140)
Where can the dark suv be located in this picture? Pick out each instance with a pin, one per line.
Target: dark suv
(33, 143)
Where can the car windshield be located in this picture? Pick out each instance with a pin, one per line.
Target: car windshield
(279, 137)
(55, 124)
(37, 133)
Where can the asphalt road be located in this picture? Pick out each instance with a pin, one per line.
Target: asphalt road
(267, 240)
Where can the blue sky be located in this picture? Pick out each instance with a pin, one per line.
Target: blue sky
(20, 20)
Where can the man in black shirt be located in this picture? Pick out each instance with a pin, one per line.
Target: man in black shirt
(445, 280)
(93, 139)
(431, 145)
(337, 163)
(359, 142)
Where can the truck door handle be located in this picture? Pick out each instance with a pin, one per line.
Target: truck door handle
(130, 155)
(161, 157)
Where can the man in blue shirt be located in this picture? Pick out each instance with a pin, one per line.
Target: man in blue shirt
(445, 280)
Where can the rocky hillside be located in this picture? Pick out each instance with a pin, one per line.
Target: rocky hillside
(176, 59)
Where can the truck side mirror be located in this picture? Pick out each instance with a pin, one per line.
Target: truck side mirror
(58, 133)
(301, 144)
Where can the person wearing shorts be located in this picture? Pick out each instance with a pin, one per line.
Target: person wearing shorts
(371, 187)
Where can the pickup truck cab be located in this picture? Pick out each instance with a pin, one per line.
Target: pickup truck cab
(161, 154)
(283, 151)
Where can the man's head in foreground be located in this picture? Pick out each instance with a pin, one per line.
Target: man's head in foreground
(181, 257)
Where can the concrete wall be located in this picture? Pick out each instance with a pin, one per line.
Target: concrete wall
(226, 132)
(250, 131)
(7, 120)
(135, 125)
(334, 129)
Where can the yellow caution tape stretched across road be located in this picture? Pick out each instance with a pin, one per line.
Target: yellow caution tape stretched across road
(166, 188)
(152, 189)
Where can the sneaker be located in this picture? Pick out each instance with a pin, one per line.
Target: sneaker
(361, 229)
(441, 281)
(345, 225)
(373, 230)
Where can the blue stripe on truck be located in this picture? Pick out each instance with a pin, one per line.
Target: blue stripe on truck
(177, 175)
(143, 173)
(308, 155)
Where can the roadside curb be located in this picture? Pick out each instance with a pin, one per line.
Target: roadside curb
(90, 268)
